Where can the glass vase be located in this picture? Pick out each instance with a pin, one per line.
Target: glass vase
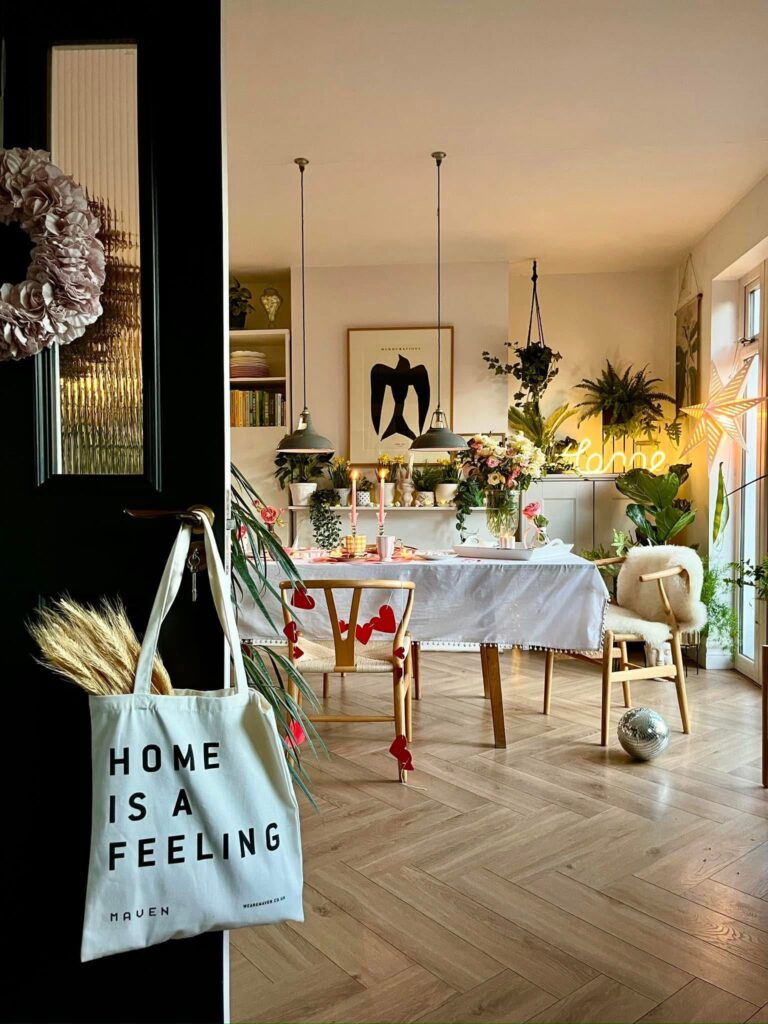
(502, 510)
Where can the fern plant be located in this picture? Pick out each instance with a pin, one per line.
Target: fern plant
(628, 402)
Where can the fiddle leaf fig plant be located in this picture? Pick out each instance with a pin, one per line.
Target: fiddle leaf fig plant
(656, 511)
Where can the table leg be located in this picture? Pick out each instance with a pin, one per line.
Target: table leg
(489, 657)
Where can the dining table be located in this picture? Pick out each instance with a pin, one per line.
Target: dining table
(552, 603)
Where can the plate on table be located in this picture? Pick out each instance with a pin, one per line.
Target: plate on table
(434, 556)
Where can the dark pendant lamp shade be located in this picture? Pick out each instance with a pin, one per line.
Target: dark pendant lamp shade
(439, 437)
(304, 440)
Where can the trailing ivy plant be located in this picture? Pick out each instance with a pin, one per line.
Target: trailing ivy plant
(658, 514)
(326, 524)
(268, 671)
(628, 402)
(469, 495)
(534, 367)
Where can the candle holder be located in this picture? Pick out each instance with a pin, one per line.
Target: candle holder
(355, 545)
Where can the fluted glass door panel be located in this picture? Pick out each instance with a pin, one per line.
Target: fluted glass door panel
(98, 420)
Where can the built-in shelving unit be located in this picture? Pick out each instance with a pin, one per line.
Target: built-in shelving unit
(253, 447)
(389, 508)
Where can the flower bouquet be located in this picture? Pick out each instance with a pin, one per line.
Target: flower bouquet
(503, 467)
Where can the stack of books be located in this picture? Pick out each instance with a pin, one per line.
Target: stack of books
(256, 409)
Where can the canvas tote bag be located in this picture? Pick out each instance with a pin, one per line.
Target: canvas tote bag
(195, 825)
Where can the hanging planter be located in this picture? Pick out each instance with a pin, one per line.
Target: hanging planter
(534, 367)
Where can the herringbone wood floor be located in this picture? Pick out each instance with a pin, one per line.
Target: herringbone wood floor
(551, 881)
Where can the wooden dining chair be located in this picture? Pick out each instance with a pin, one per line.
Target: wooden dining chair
(344, 653)
(641, 616)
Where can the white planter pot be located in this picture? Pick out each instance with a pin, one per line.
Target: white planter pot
(363, 498)
(301, 493)
(445, 493)
(343, 493)
(425, 498)
(389, 493)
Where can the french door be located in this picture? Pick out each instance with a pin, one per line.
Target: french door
(750, 503)
(132, 414)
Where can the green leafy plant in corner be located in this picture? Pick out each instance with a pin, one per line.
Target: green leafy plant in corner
(326, 524)
(299, 469)
(628, 402)
(656, 511)
(268, 671)
(469, 495)
(528, 420)
(240, 299)
(722, 622)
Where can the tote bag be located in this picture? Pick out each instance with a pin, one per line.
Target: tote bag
(195, 825)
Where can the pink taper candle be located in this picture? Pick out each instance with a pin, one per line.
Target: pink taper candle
(383, 473)
(353, 476)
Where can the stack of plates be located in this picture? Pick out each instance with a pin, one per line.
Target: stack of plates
(246, 363)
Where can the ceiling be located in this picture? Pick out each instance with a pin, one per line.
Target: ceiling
(593, 134)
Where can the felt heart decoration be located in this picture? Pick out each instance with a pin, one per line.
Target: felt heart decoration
(343, 626)
(296, 735)
(363, 633)
(400, 653)
(398, 673)
(399, 749)
(292, 632)
(298, 653)
(301, 599)
(384, 622)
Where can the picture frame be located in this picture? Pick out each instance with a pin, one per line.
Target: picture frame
(687, 346)
(392, 387)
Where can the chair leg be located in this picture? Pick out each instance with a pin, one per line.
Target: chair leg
(326, 685)
(549, 671)
(682, 696)
(400, 726)
(624, 667)
(416, 675)
(605, 715)
(409, 708)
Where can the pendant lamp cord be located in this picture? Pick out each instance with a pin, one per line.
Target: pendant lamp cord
(303, 294)
(438, 160)
(535, 306)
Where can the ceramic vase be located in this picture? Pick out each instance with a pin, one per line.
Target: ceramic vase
(445, 493)
(363, 499)
(425, 498)
(343, 493)
(301, 493)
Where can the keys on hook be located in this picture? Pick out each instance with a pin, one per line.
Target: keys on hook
(194, 564)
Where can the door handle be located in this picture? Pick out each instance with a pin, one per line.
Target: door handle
(189, 515)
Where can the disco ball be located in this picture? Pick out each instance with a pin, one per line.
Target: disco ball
(643, 733)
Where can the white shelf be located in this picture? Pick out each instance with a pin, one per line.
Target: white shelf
(388, 508)
(236, 381)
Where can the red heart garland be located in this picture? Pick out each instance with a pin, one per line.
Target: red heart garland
(291, 632)
(363, 633)
(398, 673)
(400, 653)
(343, 626)
(295, 736)
(399, 749)
(298, 653)
(301, 599)
(384, 622)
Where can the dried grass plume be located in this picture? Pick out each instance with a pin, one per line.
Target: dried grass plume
(94, 647)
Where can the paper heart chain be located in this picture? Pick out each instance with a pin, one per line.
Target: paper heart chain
(343, 626)
(363, 633)
(384, 622)
(301, 599)
(399, 749)
(292, 632)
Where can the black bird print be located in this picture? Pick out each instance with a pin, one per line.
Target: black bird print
(400, 379)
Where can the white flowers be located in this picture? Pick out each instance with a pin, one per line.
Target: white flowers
(60, 296)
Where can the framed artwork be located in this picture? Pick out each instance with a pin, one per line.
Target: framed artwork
(393, 387)
(687, 345)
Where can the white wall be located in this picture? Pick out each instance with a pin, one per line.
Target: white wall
(474, 303)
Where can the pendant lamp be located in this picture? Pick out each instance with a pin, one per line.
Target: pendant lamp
(304, 440)
(439, 437)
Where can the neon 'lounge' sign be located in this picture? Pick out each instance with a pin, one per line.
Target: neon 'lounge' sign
(586, 461)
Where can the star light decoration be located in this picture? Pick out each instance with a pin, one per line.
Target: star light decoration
(718, 416)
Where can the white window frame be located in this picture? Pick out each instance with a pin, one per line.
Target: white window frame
(749, 346)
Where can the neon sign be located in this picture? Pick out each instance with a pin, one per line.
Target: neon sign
(586, 461)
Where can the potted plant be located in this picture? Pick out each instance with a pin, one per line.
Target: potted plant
(239, 305)
(386, 471)
(658, 514)
(338, 473)
(326, 524)
(528, 420)
(425, 479)
(300, 473)
(364, 488)
(504, 468)
(448, 483)
(627, 402)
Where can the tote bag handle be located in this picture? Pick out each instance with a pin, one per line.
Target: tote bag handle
(166, 595)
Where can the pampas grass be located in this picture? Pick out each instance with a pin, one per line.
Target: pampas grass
(94, 647)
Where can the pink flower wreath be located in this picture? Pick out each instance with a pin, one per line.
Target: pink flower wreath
(60, 295)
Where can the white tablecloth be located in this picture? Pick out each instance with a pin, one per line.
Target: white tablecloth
(556, 603)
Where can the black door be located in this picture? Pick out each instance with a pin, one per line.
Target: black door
(131, 415)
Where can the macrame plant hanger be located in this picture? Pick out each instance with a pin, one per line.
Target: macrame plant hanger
(535, 308)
